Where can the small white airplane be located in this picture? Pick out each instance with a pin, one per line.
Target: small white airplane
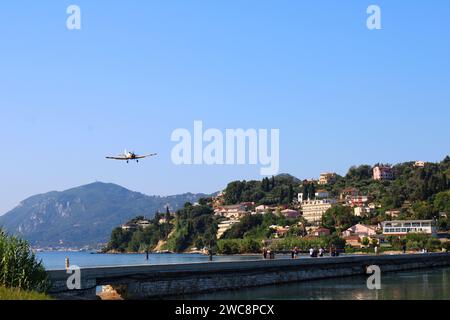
(127, 156)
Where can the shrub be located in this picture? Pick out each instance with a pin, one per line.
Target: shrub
(433, 245)
(249, 246)
(238, 246)
(228, 246)
(446, 246)
(301, 243)
(19, 267)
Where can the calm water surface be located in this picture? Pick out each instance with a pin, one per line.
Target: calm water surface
(432, 284)
(56, 260)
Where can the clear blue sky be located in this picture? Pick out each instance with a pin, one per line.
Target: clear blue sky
(341, 94)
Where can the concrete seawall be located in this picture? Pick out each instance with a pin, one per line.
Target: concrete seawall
(137, 282)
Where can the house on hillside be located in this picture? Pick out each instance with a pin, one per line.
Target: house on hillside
(353, 241)
(289, 213)
(279, 231)
(382, 173)
(404, 227)
(347, 193)
(136, 224)
(420, 164)
(395, 213)
(363, 211)
(320, 232)
(262, 209)
(233, 211)
(358, 200)
(361, 231)
(327, 178)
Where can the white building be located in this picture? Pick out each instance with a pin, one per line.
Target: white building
(232, 212)
(420, 164)
(313, 210)
(261, 209)
(381, 173)
(327, 178)
(224, 227)
(322, 194)
(403, 227)
(362, 211)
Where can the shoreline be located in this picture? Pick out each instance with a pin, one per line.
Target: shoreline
(354, 253)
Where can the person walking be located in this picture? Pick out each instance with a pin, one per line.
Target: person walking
(210, 253)
(333, 251)
(311, 252)
(321, 252)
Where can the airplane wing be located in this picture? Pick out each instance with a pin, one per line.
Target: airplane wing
(117, 158)
(146, 156)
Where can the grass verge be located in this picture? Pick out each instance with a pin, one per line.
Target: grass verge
(17, 294)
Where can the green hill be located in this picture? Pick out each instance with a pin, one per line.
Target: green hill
(84, 215)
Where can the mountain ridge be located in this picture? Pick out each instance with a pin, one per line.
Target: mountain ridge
(83, 215)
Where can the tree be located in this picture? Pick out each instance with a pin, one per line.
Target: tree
(338, 218)
(312, 191)
(247, 223)
(233, 192)
(363, 172)
(265, 185)
(119, 239)
(374, 242)
(281, 195)
(442, 202)
(365, 241)
(291, 194)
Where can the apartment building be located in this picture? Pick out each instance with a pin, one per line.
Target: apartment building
(313, 210)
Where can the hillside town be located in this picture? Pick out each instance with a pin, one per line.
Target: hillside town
(357, 212)
(310, 211)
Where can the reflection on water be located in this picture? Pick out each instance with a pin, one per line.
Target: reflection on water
(430, 284)
(56, 260)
